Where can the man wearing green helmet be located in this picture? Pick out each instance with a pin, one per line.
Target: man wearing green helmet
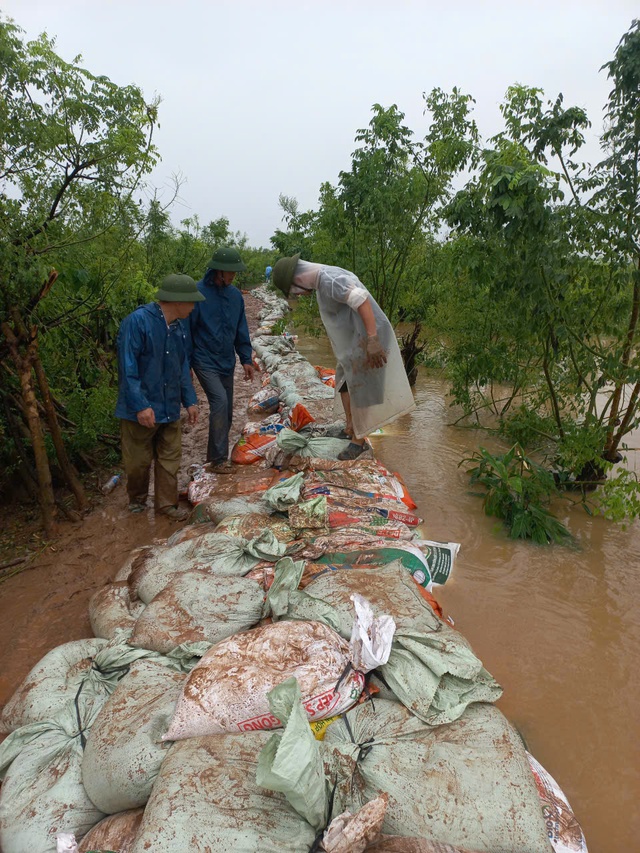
(153, 382)
(370, 374)
(219, 332)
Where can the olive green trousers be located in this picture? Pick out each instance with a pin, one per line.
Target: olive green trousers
(160, 445)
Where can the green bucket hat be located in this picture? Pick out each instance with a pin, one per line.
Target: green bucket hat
(178, 288)
(227, 260)
(283, 271)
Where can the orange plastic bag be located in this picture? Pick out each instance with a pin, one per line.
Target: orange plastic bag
(327, 375)
(251, 448)
(300, 417)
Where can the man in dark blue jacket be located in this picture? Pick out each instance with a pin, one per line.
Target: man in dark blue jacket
(219, 331)
(153, 381)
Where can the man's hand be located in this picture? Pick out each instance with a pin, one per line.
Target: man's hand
(192, 412)
(376, 356)
(248, 372)
(147, 418)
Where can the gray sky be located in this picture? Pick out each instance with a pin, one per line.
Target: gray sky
(262, 97)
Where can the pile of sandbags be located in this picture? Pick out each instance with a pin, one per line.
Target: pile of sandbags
(276, 678)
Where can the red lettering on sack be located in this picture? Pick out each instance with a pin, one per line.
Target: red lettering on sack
(260, 723)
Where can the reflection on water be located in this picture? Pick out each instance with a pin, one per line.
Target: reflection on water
(558, 627)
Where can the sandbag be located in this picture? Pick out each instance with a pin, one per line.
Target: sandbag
(125, 570)
(465, 784)
(285, 492)
(215, 552)
(227, 690)
(116, 832)
(124, 752)
(389, 589)
(302, 445)
(344, 539)
(111, 609)
(398, 844)
(190, 531)
(84, 671)
(42, 792)
(327, 375)
(205, 797)
(264, 402)
(406, 553)
(563, 829)
(252, 448)
(250, 525)
(197, 606)
(364, 478)
(384, 517)
(50, 684)
(431, 668)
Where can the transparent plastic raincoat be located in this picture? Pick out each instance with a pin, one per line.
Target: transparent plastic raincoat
(378, 395)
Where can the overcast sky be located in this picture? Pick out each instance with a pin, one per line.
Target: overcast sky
(262, 97)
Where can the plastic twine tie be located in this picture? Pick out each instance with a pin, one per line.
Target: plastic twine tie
(123, 670)
(317, 841)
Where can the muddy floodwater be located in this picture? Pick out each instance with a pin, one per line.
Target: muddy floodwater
(557, 626)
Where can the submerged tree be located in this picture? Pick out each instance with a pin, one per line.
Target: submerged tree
(544, 318)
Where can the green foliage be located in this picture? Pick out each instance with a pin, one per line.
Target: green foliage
(543, 312)
(528, 428)
(380, 221)
(518, 491)
(279, 327)
(618, 498)
(306, 316)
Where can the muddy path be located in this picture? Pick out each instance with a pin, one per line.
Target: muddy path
(46, 603)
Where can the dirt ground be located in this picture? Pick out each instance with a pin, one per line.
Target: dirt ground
(44, 602)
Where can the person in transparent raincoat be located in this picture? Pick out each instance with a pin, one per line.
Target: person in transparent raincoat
(370, 374)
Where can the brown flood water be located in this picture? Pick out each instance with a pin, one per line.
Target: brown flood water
(558, 627)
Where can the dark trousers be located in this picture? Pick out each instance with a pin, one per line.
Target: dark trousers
(219, 390)
(162, 445)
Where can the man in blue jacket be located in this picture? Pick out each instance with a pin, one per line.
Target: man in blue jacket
(219, 331)
(153, 380)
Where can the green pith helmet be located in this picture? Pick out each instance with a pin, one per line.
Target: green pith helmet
(283, 271)
(227, 260)
(178, 288)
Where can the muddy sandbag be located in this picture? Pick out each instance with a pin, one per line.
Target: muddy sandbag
(250, 525)
(396, 844)
(285, 492)
(87, 670)
(125, 570)
(353, 833)
(473, 771)
(227, 691)
(50, 684)
(217, 510)
(466, 784)
(205, 797)
(292, 763)
(124, 752)
(431, 669)
(197, 606)
(116, 832)
(190, 531)
(42, 792)
(305, 445)
(389, 589)
(345, 538)
(111, 609)
(215, 552)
